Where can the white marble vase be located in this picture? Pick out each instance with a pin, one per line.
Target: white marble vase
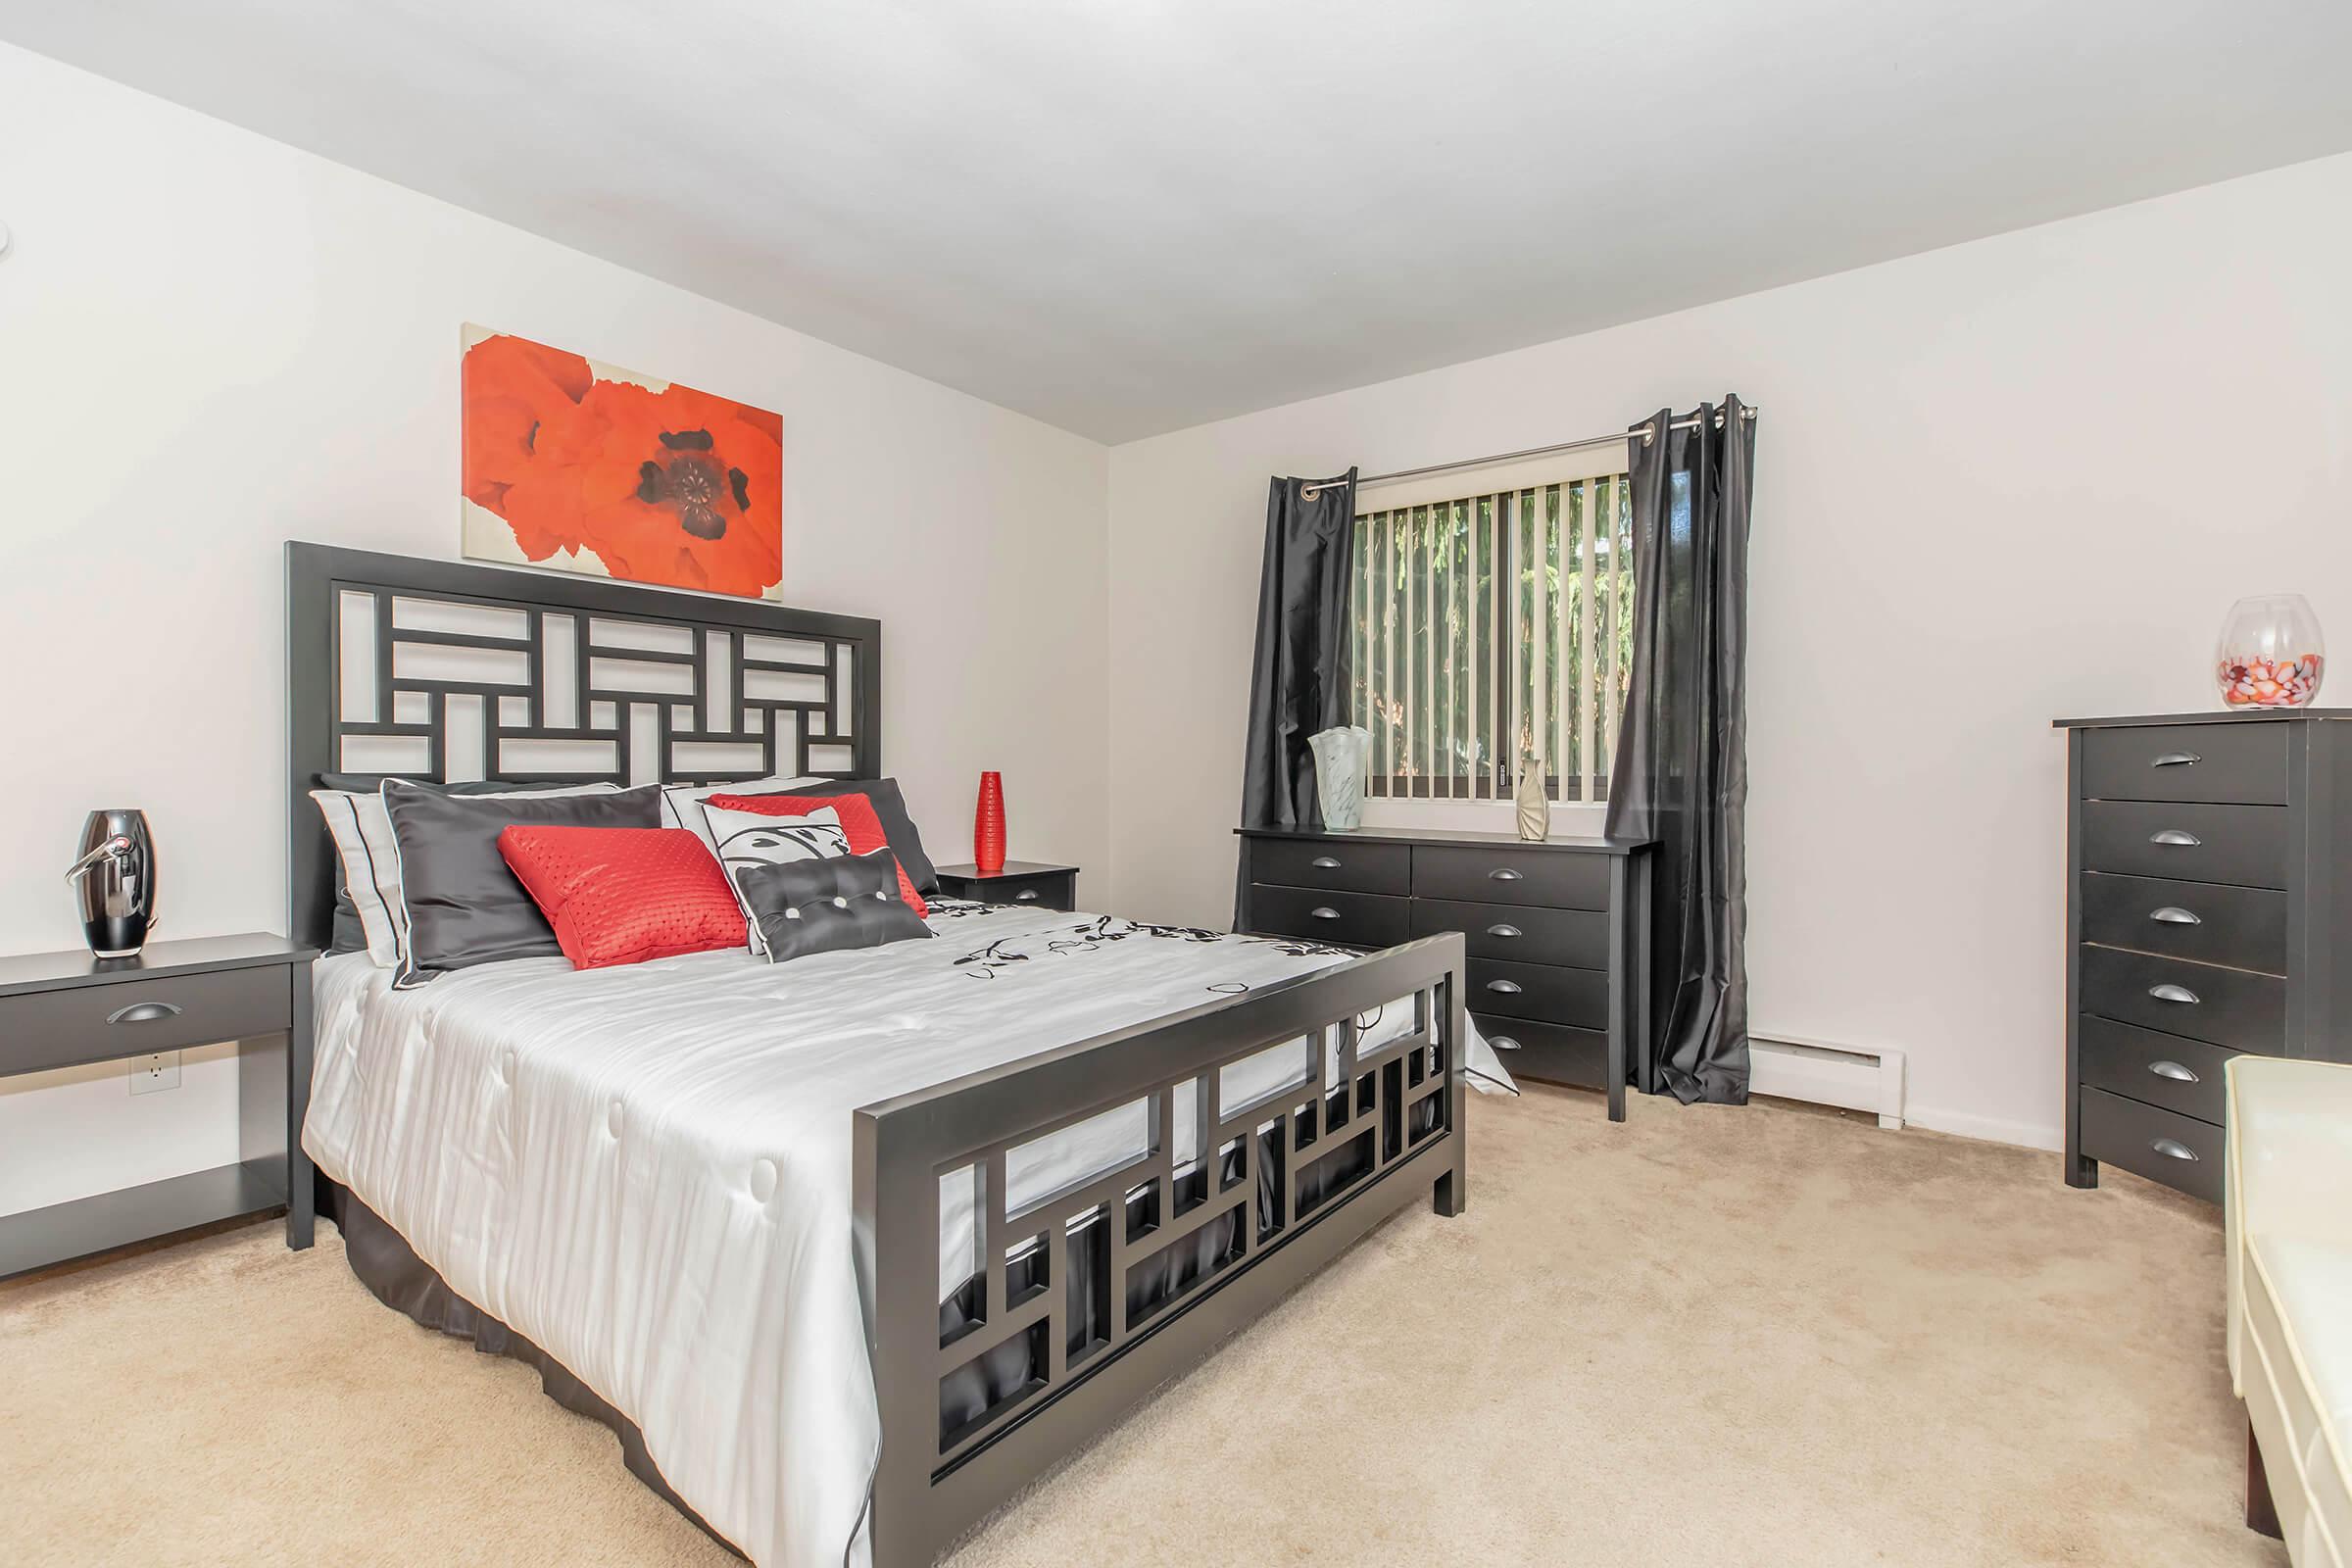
(1340, 758)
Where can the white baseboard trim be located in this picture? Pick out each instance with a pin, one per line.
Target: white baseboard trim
(1991, 1129)
(1868, 1078)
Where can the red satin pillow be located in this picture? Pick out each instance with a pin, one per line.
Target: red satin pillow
(858, 825)
(623, 894)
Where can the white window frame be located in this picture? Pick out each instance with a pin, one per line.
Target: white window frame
(1570, 817)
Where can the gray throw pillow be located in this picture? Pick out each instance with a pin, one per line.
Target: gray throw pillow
(844, 900)
(465, 906)
(349, 935)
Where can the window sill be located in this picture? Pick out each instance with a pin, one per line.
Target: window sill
(1570, 818)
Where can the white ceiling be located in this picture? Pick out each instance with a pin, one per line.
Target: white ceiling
(1129, 215)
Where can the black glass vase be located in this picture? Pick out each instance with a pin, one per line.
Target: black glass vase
(114, 879)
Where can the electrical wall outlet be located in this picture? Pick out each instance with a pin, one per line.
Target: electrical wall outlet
(151, 1074)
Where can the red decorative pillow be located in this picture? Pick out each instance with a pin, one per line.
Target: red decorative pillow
(857, 822)
(623, 894)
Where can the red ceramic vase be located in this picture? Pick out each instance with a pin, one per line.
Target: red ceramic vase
(988, 824)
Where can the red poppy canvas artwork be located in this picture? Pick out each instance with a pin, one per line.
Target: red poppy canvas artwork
(569, 463)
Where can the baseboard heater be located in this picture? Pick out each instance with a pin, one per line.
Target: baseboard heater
(1851, 1077)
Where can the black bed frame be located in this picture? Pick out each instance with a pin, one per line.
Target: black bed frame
(1281, 1186)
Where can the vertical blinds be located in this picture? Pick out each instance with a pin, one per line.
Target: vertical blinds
(1489, 625)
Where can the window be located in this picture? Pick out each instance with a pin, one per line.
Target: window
(1488, 626)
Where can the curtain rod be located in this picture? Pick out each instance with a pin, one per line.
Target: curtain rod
(1308, 492)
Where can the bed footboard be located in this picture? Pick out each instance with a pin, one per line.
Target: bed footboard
(1083, 1300)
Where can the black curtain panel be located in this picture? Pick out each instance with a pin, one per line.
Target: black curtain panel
(1681, 771)
(1298, 682)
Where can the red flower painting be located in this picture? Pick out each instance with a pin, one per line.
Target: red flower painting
(574, 464)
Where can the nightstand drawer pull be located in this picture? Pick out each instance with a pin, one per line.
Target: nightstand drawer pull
(144, 1012)
(2177, 760)
(2168, 992)
(1324, 862)
(1025, 895)
(2173, 1149)
(2173, 835)
(1503, 873)
(1324, 911)
(2173, 1070)
(2174, 914)
(1502, 1042)
(1507, 988)
(1506, 932)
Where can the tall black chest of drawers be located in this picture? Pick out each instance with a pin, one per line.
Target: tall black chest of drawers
(2209, 913)
(1556, 930)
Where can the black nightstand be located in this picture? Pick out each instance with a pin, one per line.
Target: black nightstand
(1055, 887)
(62, 1009)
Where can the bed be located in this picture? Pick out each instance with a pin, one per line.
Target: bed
(848, 1250)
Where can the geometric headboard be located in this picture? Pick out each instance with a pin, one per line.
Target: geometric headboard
(434, 670)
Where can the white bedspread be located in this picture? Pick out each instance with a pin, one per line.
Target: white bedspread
(647, 1170)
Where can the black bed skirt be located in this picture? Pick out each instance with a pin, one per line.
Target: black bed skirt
(983, 1383)
(390, 1268)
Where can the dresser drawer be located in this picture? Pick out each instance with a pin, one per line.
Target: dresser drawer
(1047, 890)
(2159, 1069)
(1548, 1052)
(1576, 997)
(1352, 866)
(2244, 844)
(2205, 922)
(2163, 1145)
(1350, 919)
(2226, 1007)
(1478, 873)
(132, 1018)
(1520, 933)
(2242, 764)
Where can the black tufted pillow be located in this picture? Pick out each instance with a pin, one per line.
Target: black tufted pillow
(844, 900)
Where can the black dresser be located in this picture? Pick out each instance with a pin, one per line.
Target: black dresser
(2208, 913)
(1556, 930)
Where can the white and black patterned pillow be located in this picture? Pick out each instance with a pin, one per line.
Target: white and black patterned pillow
(749, 838)
(682, 803)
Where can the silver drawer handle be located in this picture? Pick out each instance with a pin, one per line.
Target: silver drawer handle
(1025, 895)
(144, 1013)
(2173, 1149)
(1324, 911)
(1502, 1042)
(1504, 931)
(2169, 991)
(1506, 987)
(2173, 835)
(1324, 862)
(1502, 873)
(2174, 914)
(2177, 760)
(2173, 1070)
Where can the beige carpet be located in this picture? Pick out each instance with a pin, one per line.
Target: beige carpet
(1706, 1337)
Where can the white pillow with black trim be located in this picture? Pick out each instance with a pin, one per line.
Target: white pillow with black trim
(748, 838)
(370, 859)
(682, 803)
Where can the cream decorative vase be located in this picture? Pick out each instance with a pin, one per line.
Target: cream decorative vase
(1340, 758)
(1534, 806)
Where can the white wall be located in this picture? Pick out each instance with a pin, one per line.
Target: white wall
(1996, 484)
(211, 343)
